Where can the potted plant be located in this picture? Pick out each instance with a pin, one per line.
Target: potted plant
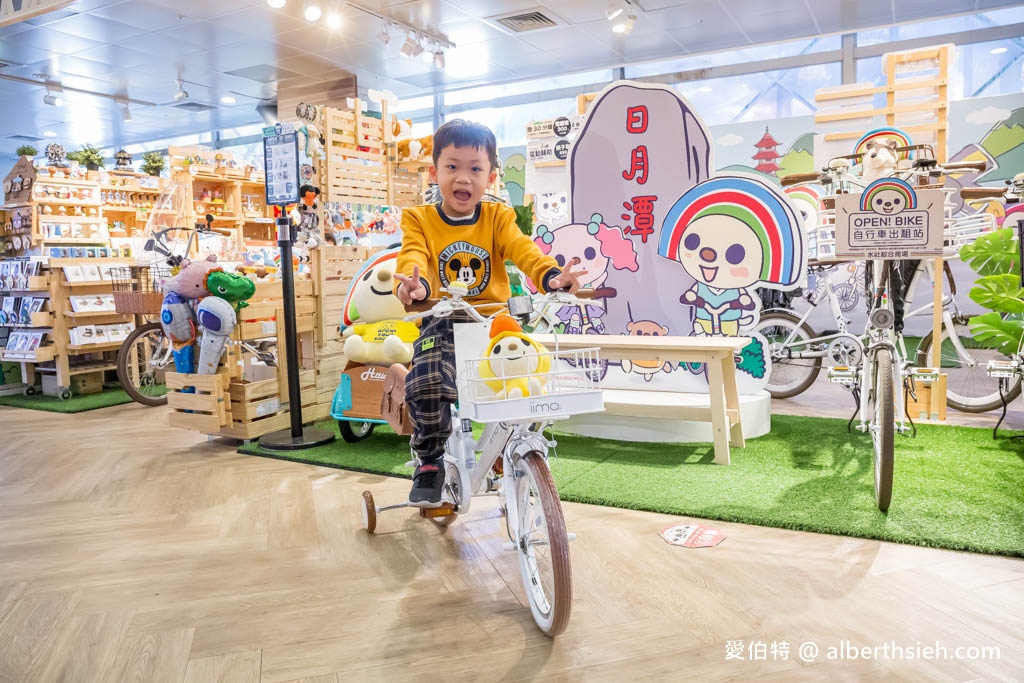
(89, 157)
(152, 163)
(26, 151)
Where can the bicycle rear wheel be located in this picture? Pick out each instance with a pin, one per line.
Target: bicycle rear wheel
(969, 389)
(140, 368)
(883, 427)
(542, 544)
(790, 376)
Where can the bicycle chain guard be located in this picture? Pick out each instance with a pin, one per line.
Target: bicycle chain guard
(845, 350)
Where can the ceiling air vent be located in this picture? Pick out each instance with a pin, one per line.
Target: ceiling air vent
(194, 107)
(524, 21)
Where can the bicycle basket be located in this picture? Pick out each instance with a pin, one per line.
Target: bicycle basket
(139, 289)
(570, 385)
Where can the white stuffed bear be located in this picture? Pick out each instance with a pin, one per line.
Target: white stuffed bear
(879, 160)
(372, 321)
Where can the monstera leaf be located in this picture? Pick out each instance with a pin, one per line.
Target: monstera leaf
(994, 253)
(994, 332)
(999, 293)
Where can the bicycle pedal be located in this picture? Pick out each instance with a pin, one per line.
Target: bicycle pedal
(508, 545)
(443, 511)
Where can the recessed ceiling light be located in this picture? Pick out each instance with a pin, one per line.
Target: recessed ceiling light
(49, 134)
(997, 50)
(228, 99)
(313, 11)
(333, 20)
(704, 88)
(276, 4)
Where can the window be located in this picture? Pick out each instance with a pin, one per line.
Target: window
(509, 123)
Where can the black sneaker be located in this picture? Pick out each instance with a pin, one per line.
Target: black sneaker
(427, 483)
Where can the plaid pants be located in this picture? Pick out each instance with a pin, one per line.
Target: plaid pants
(430, 388)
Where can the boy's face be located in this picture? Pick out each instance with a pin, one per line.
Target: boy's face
(462, 174)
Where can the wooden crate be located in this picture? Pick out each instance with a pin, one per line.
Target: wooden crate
(355, 168)
(206, 408)
(259, 408)
(930, 400)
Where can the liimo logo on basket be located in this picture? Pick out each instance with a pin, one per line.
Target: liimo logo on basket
(372, 374)
(541, 408)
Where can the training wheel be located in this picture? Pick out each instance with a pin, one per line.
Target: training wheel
(369, 512)
(65, 394)
(30, 391)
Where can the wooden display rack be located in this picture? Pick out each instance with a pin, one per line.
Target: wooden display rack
(917, 100)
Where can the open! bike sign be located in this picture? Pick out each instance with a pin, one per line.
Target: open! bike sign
(889, 220)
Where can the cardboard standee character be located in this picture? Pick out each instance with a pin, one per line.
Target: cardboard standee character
(407, 148)
(880, 157)
(514, 366)
(730, 233)
(313, 142)
(372, 321)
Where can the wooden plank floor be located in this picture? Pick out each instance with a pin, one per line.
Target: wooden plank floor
(130, 551)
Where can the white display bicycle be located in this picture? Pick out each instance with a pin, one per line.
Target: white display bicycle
(510, 459)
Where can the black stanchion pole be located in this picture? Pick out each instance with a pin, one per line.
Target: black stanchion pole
(295, 438)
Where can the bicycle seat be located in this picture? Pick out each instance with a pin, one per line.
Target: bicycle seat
(839, 164)
(925, 163)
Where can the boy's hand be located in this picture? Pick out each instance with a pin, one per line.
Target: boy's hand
(568, 279)
(411, 289)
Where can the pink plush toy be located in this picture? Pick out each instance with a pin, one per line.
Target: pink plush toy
(190, 282)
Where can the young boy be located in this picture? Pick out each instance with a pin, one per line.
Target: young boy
(459, 239)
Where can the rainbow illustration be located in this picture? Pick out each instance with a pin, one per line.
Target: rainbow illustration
(754, 203)
(1014, 214)
(883, 184)
(348, 314)
(902, 139)
(810, 194)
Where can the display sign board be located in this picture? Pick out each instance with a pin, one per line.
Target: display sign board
(889, 220)
(281, 161)
(548, 149)
(560, 127)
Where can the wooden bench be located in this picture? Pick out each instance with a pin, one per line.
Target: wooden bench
(717, 352)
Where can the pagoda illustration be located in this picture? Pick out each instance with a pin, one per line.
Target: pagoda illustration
(766, 154)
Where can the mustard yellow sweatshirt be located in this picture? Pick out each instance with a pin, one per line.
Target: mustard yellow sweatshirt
(473, 250)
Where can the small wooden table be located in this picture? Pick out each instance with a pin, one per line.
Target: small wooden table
(717, 352)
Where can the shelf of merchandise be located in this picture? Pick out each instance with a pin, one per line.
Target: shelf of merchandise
(71, 359)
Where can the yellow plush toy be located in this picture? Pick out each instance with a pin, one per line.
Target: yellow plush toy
(514, 366)
(371, 322)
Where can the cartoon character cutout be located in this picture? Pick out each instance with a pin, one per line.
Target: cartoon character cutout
(598, 246)
(731, 233)
(888, 197)
(645, 328)
(552, 208)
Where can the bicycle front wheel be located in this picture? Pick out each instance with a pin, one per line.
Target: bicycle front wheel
(969, 389)
(883, 427)
(542, 544)
(141, 364)
(791, 374)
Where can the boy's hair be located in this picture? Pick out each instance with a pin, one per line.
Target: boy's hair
(462, 133)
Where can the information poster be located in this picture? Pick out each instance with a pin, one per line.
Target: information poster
(281, 162)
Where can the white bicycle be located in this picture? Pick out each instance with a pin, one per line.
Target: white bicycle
(510, 459)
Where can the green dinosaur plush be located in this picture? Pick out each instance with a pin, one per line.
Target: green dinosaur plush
(231, 287)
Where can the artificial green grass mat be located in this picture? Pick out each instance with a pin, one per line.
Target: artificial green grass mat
(953, 487)
(75, 404)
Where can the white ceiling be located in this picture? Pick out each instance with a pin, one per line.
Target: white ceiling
(137, 48)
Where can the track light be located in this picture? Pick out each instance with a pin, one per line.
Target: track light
(439, 59)
(624, 24)
(613, 11)
(276, 4)
(411, 48)
(126, 114)
(53, 100)
(181, 94)
(313, 11)
(384, 35)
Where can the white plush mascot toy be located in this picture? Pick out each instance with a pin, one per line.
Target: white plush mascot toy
(514, 366)
(372, 320)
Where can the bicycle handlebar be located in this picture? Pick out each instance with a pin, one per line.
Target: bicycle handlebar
(447, 305)
(981, 192)
(978, 166)
(797, 178)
